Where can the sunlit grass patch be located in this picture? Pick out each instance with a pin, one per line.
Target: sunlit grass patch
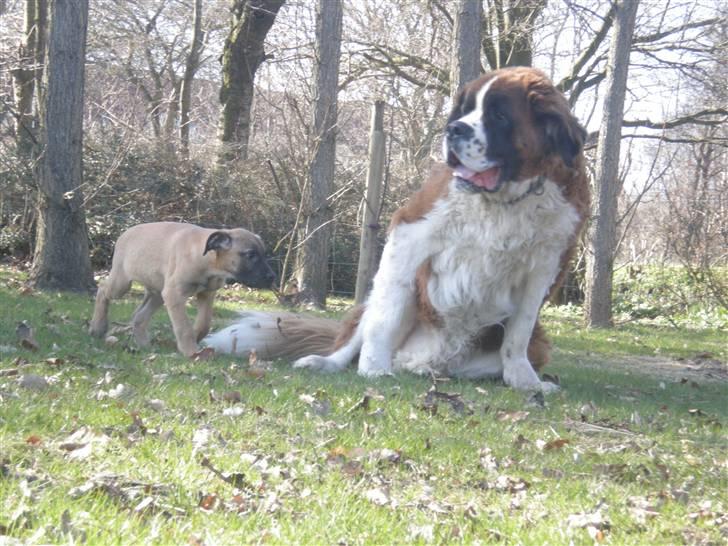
(122, 446)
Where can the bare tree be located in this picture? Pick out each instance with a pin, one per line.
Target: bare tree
(508, 31)
(242, 55)
(466, 64)
(312, 259)
(603, 232)
(192, 63)
(61, 259)
(28, 75)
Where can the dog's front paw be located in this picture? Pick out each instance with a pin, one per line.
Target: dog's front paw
(318, 363)
(311, 362)
(374, 372)
(519, 375)
(547, 387)
(374, 362)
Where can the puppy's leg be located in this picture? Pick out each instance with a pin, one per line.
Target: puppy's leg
(517, 370)
(115, 286)
(183, 332)
(204, 314)
(142, 316)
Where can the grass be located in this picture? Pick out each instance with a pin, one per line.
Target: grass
(622, 455)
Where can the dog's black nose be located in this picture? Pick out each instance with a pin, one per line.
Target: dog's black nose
(459, 129)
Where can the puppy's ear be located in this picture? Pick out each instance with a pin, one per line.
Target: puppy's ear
(218, 240)
(564, 135)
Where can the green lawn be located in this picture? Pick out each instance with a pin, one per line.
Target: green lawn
(633, 450)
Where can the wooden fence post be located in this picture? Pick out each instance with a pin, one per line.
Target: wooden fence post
(372, 205)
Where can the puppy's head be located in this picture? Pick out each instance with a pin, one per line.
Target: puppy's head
(505, 126)
(240, 254)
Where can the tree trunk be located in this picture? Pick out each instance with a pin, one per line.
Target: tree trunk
(242, 55)
(603, 229)
(170, 119)
(27, 76)
(61, 259)
(465, 64)
(313, 256)
(372, 206)
(192, 63)
(508, 31)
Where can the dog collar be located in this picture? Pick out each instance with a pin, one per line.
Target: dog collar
(535, 188)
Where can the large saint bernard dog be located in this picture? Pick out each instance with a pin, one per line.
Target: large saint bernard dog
(469, 259)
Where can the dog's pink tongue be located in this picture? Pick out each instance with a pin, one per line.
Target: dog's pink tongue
(487, 179)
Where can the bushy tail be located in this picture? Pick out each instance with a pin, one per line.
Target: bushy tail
(276, 335)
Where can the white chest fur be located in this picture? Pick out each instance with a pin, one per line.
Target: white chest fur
(486, 251)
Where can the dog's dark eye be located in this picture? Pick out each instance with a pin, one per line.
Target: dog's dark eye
(251, 255)
(498, 116)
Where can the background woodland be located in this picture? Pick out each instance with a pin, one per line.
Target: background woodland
(216, 112)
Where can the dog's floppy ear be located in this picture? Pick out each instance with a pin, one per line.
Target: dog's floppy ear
(218, 240)
(564, 135)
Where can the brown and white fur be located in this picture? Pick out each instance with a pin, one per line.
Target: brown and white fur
(471, 257)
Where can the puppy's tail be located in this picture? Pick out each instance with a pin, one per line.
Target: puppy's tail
(276, 335)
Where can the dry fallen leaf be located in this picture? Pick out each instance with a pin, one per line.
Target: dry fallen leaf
(642, 509)
(203, 354)
(201, 437)
(68, 528)
(233, 397)
(454, 399)
(512, 416)
(156, 405)
(377, 496)
(595, 524)
(26, 337)
(83, 442)
(421, 533)
(321, 406)
(33, 382)
(236, 479)
(256, 372)
(362, 404)
(555, 444)
(208, 503)
(234, 411)
(33, 440)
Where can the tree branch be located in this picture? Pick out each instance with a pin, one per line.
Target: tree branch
(655, 36)
(696, 118)
(567, 83)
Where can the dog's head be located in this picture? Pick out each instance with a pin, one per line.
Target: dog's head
(505, 126)
(240, 255)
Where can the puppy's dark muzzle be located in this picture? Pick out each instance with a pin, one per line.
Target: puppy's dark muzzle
(260, 278)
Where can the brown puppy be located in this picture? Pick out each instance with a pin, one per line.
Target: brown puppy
(174, 261)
